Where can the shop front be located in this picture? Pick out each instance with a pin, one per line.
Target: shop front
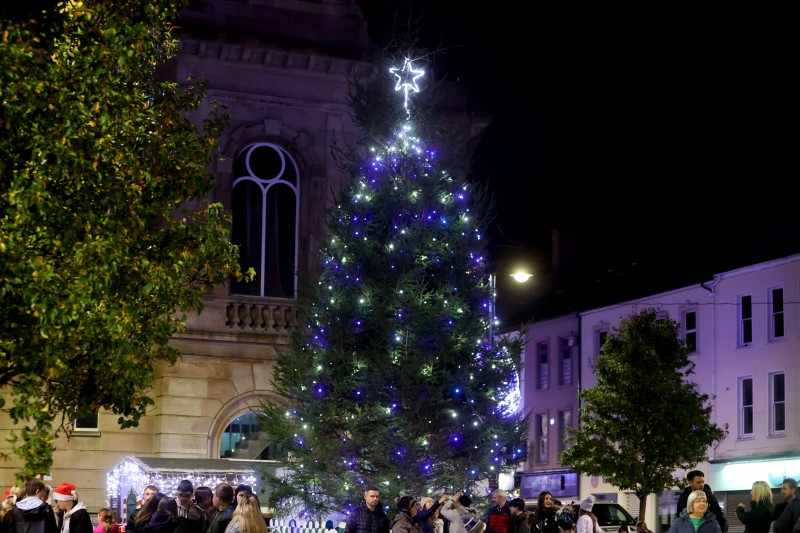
(731, 481)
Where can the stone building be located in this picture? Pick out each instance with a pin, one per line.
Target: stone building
(282, 69)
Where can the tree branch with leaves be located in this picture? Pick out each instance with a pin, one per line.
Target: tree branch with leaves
(105, 235)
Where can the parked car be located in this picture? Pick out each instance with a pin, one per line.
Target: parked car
(610, 516)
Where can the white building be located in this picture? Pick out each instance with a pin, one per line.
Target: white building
(744, 326)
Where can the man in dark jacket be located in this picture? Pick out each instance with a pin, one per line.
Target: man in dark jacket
(194, 516)
(370, 517)
(697, 481)
(786, 522)
(223, 501)
(31, 514)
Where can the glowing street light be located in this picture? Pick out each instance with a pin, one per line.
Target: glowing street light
(521, 277)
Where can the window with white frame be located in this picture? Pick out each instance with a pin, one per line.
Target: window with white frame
(745, 328)
(746, 407)
(265, 203)
(776, 316)
(542, 425)
(777, 402)
(88, 423)
(690, 330)
(564, 423)
(600, 338)
(542, 366)
(565, 374)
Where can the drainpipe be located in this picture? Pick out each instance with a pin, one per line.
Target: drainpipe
(711, 288)
(580, 363)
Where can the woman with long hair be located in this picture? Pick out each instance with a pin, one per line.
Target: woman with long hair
(544, 518)
(105, 522)
(9, 499)
(204, 499)
(147, 511)
(247, 517)
(759, 518)
(428, 515)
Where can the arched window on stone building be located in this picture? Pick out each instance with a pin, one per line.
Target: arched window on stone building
(265, 204)
(243, 438)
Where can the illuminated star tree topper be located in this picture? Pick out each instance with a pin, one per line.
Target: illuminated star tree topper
(407, 77)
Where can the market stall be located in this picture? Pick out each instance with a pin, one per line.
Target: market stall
(125, 483)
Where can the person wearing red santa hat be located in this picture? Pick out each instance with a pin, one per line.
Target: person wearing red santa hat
(75, 518)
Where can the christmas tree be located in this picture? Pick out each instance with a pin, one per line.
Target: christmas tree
(395, 381)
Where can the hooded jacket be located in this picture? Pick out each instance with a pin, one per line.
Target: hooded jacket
(77, 520)
(30, 515)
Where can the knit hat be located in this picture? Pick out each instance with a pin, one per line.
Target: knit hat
(405, 503)
(588, 503)
(65, 492)
(519, 503)
(423, 501)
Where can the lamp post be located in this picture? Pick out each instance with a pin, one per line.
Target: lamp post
(520, 276)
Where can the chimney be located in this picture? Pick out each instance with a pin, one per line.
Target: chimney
(565, 251)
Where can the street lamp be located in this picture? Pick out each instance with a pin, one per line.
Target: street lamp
(520, 276)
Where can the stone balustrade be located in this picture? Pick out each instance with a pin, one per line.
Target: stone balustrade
(238, 314)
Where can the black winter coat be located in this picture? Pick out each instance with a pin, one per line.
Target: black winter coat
(758, 519)
(30, 519)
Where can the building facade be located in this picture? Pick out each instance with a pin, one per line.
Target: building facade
(743, 330)
(549, 389)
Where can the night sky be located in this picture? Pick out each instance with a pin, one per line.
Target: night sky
(662, 137)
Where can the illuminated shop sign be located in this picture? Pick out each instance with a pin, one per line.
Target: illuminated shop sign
(740, 475)
(558, 484)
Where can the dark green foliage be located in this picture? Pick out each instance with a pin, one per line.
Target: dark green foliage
(104, 235)
(645, 418)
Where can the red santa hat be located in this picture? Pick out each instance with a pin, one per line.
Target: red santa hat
(65, 492)
(7, 494)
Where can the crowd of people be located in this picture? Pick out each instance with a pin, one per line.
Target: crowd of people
(222, 509)
(225, 509)
(698, 511)
(454, 514)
